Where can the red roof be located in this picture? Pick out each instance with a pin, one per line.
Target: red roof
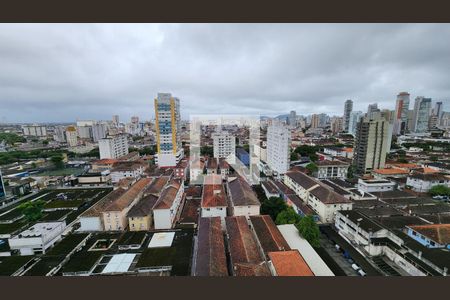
(289, 263)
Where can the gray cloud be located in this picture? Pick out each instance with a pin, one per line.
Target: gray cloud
(61, 72)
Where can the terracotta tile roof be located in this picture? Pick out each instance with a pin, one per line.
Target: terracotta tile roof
(324, 163)
(168, 195)
(251, 269)
(121, 166)
(429, 176)
(212, 163)
(270, 187)
(105, 161)
(390, 171)
(328, 196)
(223, 164)
(98, 208)
(213, 195)
(439, 233)
(290, 263)
(241, 241)
(157, 185)
(283, 188)
(144, 207)
(211, 259)
(269, 236)
(193, 191)
(302, 179)
(404, 165)
(129, 196)
(241, 193)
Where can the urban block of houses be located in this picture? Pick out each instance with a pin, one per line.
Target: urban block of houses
(214, 199)
(339, 151)
(242, 199)
(422, 183)
(38, 238)
(321, 198)
(167, 207)
(140, 216)
(390, 172)
(270, 189)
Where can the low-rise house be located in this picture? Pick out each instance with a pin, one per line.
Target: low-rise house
(269, 238)
(270, 189)
(422, 183)
(339, 151)
(157, 185)
(375, 185)
(140, 215)
(245, 256)
(95, 179)
(224, 168)
(210, 258)
(326, 202)
(166, 208)
(101, 165)
(214, 199)
(242, 199)
(125, 169)
(38, 238)
(181, 169)
(212, 166)
(431, 235)
(115, 213)
(300, 183)
(390, 172)
(288, 263)
(330, 169)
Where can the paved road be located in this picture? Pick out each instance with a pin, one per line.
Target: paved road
(337, 256)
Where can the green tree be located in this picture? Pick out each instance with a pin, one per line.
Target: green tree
(439, 190)
(207, 150)
(32, 210)
(312, 167)
(309, 230)
(44, 142)
(287, 216)
(273, 206)
(294, 156)
(57, 161)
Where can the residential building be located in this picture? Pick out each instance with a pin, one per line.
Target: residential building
(345, 152)
(127, 169)
(59, 134)
(330, 169)
(268, 237)
(140, 215)
(99, 131)
(326, 202)
(210, 258)
(243, 156)
(224, 144)
(214, 199)
(336, 125)
(167, 207)
(315, 121)
(84, 132)
(71, 136)
(375, 185)
(115, 120)
(390, 172)
(373, 111)
(278, 148)
(288, 263)
(371, 144)
(348, 107)
(292, 119)
(300, 183)
(401, 113)
(431, 235)
(114, 214)
(34, 130)
(421, 115)
(113, 146)
(38, 238)
(242, 199)
(423, 182)
(168, 130)
(245, 256)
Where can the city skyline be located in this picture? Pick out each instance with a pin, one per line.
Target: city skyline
(101, 70)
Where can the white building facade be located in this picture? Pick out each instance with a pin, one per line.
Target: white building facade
(278, 148)
(113, 146)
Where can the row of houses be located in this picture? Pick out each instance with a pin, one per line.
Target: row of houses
(253, 246)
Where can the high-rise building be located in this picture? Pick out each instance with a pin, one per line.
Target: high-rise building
(34, 130)
(99, 131)
(71, 136)
(168, 127)
(372, 110)
(278, 146)
(437, 111)
(224, 144)
(401, 113)
(337, 124)
(315, 121)
(113, 146)
(371, 144)
(355, 116)
(135, 120)
(84, 132)
(59, 134)
(348, 107)
(2, 187)
(421, 115)
(292, 119)
(115, 119)
(323, 120)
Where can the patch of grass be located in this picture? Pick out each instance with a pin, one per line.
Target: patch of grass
(10, 264)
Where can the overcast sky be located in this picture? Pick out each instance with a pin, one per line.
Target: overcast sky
(53, 72)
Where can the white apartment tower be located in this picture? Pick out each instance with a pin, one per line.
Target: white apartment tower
(278, 144)
(168, 130)
(34, 130)
(113, 146)
(224, 144)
